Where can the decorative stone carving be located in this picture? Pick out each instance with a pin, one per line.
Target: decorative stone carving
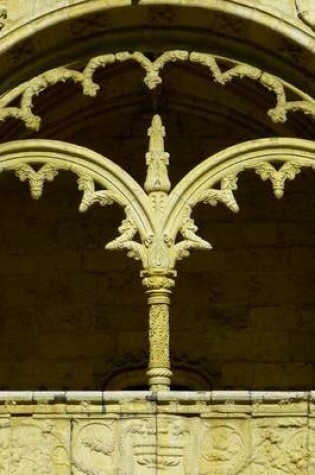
(127, 230)
(157, 160)
(280, 447)
(288, 171)
(224, 195)
(39, 447)
(3, 17)
(158, 291)
(306, 12)
(93, 448)
(90, 196)
(157, 215)
(188, 230)
(5, 448)
(155, 444)
(152, 79)
(36, 179)
(175, 433)
(224, 449)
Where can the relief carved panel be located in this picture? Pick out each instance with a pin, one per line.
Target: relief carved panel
(225, 448)
(280, 446)
(39, 446)
(199, 441)
(155, 444)
(94, 448)
(4, 446)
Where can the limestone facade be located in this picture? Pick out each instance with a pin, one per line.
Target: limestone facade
(145, 433)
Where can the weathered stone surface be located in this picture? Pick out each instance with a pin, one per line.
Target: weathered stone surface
(241, 315)
(244, 433)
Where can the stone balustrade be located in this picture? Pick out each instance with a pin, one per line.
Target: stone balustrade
(139, 433)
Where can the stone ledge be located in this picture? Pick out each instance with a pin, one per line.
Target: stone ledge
(146, 402)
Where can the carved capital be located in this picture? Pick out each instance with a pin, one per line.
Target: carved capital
(157, 282)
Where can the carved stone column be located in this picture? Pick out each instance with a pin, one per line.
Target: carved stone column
(158, 291)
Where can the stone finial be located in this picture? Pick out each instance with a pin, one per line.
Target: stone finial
(157, 159)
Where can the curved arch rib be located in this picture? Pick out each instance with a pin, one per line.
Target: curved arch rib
(275, 159)
(116, 185)
(152, 79)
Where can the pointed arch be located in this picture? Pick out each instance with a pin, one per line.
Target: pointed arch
(224, 167)
(114, 185)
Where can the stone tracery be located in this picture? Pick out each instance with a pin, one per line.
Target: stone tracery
(29, 90)
(157, 213)
(105, 433)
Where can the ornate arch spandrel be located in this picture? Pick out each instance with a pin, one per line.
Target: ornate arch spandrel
(219, 73)
(95, 23)
(92, 170)
(276, 159)
(142, 209)
(157, 213)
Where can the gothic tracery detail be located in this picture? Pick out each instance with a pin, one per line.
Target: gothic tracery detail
(158, 228)
(157, 248)
(36, 179)
(288, 171)
(152, 79)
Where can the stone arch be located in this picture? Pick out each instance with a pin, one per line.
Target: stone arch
(248, 32)
(227, 29)
(224, 168)
(91, 169)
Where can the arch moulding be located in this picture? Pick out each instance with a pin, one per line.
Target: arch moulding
(249, 31)
(157, 213)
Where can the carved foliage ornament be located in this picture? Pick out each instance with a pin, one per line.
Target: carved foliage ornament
(174, 208)
(127, 443)
(27, 91)
(157, 215)
(268, 447)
